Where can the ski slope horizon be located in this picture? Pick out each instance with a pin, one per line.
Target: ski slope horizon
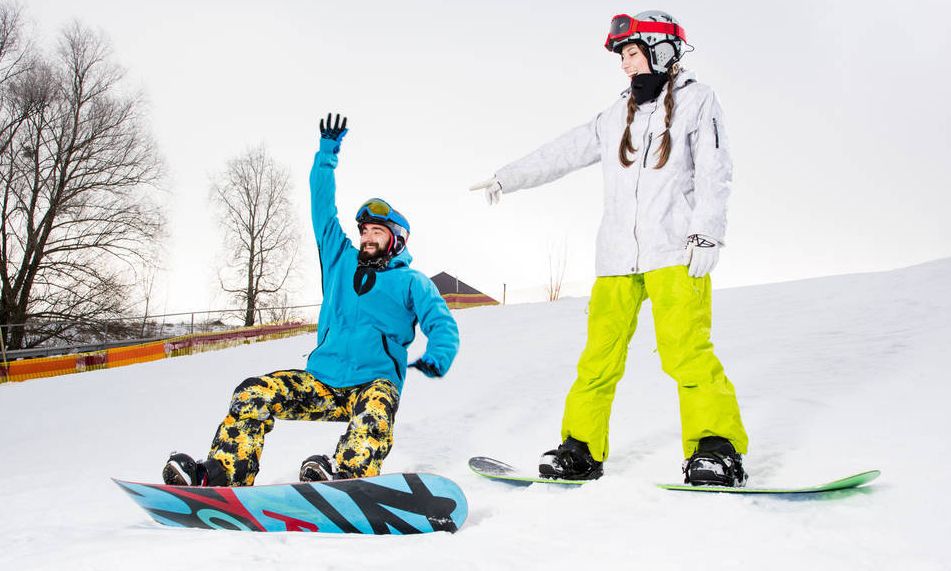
(834, 375)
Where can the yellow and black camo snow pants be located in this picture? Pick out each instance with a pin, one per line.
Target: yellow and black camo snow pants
(370, 410)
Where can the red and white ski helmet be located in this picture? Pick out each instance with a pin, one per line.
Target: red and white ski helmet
(658, 32)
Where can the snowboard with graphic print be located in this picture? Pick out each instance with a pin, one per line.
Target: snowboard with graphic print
(397, 504)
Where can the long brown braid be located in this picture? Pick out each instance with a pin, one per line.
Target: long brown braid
(627, 147)
(664, 150)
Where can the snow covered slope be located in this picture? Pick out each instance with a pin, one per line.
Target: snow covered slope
(834, 376)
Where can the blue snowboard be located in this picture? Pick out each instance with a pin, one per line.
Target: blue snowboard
(388, 504)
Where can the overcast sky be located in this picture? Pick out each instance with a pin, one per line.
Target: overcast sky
(837, 113)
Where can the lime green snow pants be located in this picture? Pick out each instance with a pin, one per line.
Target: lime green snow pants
(682, 314)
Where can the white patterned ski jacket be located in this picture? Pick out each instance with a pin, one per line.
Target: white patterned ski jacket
(648, 212)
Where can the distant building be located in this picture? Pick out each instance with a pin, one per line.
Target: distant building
(459, 295)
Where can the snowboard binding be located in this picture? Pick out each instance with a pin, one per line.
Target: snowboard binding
(570, 461)
(715, 463)
(317, 468)
(182, 470)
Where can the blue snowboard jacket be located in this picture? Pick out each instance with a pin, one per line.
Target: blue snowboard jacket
(368, 318)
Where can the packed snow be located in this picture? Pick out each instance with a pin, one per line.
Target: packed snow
(834, 376)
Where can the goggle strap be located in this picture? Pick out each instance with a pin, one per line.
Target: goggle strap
(661, 28)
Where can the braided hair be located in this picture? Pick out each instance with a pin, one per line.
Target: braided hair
(627, 147)
(664, 150)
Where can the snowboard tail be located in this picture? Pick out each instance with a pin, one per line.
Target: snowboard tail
(390, 504)
(498, 470)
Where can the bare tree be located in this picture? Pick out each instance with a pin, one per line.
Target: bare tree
(260, 229)
(146, 290)
(557, 264)
(282, 312)
(77, 176)
(15, 60)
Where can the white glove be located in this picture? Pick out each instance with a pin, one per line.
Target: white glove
(703, 253)
(492, 188)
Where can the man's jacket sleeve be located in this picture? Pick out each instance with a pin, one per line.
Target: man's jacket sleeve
(575, 149)
(332, 242)
(437, 324)
(713, 171)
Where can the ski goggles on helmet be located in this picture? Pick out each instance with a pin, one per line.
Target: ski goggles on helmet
(374, 208)
(624, 27)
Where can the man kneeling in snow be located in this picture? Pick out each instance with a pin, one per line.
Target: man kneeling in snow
(372, 301)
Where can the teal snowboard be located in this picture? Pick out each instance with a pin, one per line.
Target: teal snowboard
(397, 504)
(497, 470)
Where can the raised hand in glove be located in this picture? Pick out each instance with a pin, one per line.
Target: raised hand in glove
(703, 253)
(427, 367)
(332, 133)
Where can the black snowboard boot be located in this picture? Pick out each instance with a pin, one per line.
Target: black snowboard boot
(715, 463)
(182, 470)
(570, 461)
(317, 468)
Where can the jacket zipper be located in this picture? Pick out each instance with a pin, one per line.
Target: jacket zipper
(637, 185)
(396, 365)
(650, 138)
(716, 133)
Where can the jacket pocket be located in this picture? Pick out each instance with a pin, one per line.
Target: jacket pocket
(319, 343)
(396, 364)
(716, 134)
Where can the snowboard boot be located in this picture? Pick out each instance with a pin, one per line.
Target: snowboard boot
(182, 470)
(317, 468)
(715, 463)
(570, 461)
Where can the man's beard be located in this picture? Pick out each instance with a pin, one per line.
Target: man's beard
(377, 257)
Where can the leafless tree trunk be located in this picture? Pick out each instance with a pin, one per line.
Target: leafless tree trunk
(260, 230)
(147, 285)
(76, 172)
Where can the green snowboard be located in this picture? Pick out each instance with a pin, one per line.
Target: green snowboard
(497, 470)
(841, 484)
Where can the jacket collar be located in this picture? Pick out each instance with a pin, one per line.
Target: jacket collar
(684, 78)
(400, 260)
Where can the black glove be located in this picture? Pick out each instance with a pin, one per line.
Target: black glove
(427, 368)
(336, 132)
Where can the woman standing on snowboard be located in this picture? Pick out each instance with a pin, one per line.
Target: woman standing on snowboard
(667, 174)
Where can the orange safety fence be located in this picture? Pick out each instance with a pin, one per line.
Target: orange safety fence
(25, 369)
